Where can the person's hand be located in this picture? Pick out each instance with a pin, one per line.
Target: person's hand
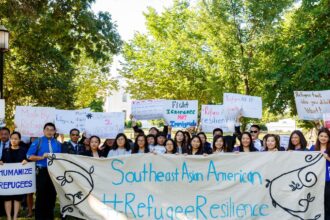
(185, 154)
(239, 116)
(1, 163)
(326, 156)
(24, 162)
(45, 155)
(205, 155)
(131, 116)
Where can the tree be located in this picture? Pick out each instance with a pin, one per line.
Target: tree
(51, 43)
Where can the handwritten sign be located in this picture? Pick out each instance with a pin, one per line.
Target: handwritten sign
(30, 120)
(69, 119)
(2, 112)
(226, 186)
(251, 106)
(216, 116)
(105, 125)
(147, 109)
(181, 113)
(326, 119)
(17, 179)
(311, 105)
(284, 141)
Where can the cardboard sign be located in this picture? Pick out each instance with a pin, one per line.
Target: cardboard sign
(147, 109)
(311, 105)
(69, 119)
(216, 116)
(251, 106)
(30, 120)
(105, 125)
(181, 113)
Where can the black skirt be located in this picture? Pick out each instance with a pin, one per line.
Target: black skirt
(18, 198)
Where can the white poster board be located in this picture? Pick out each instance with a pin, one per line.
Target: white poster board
(326, 120)
(284, 141)
(2, 112)
(69, 119)
(181, 113)
(216, 116)
(251, 106)
(311, 105)
(30, 120)
(17, 179)
(147, 109)
(105, 124)
(219, 186)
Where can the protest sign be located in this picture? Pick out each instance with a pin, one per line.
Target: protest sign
(68, 119)
(17, 179)
(216, 116)
(251, 106)
(326, 120)
(311, 105)
(147, 109)
(30, 120)
(284, 141)
(145, 186)
(105, 125)
(181, 113)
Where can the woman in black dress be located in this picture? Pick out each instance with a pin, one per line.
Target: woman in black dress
(14, 154)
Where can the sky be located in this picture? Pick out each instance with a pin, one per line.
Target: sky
(128, 15)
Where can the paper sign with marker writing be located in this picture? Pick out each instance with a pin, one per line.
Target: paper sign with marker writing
(105, 125)
(69, 119)
(326, 119)
(17, 179)
(251, 106)
(181, 113)
(147, 109)
(311, 105)
(30, 120)
(2, 112)
(216, 116)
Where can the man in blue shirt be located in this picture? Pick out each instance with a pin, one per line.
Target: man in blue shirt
(45, 191)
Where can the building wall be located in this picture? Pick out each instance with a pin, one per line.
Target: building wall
(118, 101)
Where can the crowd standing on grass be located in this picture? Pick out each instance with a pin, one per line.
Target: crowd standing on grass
(182, 142)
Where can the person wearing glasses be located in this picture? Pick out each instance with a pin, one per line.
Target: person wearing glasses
(255, 131)
(73, 146)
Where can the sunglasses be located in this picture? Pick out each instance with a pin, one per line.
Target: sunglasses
(253, 132)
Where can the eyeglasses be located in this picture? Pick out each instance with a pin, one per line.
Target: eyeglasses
(253, 132)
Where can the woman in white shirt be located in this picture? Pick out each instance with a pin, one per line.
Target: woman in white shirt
(120, 147)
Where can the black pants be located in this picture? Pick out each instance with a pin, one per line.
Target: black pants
(327, 201)
(45, 196)
(2, 207)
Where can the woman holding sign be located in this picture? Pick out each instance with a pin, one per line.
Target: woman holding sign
(219, 144)
(14, 154)
(140, 145)
(323, 145)
(180, 141)
(297, 141)
(94, 151)
(272, 142)
(170, 146)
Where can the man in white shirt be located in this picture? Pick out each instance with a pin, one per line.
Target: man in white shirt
(255, 131)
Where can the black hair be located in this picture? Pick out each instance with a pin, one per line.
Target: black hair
(217, 129)
(152, 136)
(255, 126)
(175, 148)
(318, 143)
(5, 129)
(127, 145)
(17, 133)
(154, 128)
(277, 141)
(202, 133)
(139, 131)
(225, 148)
(74, 129)
(97, 137)
(201, 147)
(251, 146)
(303, 142)
(160, 134)
(136, 146)
(49, 124)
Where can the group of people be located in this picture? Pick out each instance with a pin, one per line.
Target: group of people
(186, 142)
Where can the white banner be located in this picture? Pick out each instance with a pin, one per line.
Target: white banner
(311, 105)
(105, 124)
(17, 179)
(251, 106)
(30, 120)
(69, 119)
(269, 185)
(216, 116)
(2, 112)
(181, 113)
(147, 109)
